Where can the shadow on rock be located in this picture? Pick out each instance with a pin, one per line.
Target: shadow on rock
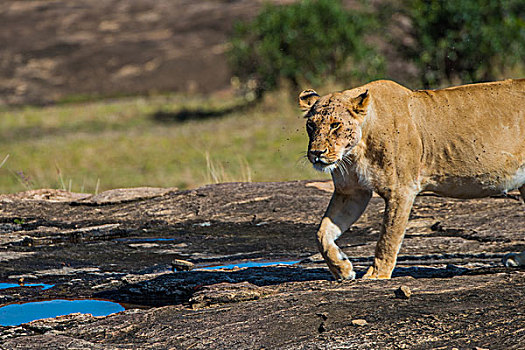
(217, 287)
(446, 272)
(429, 272)
(180, 287)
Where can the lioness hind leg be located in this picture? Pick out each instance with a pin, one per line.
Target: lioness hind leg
(342, 212)
(516, 259)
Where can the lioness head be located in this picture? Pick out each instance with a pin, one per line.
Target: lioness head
(333, 126)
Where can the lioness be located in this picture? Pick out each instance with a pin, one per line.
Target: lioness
(463, 142)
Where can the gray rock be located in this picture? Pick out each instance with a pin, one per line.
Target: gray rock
(182, 265)
(124, 195)
(403, 292)
(359, 322)
(225, 293)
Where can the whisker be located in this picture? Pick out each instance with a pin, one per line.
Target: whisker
(345, 166)
(341, 172)
(302, 160)
(348, 164)
(342, 168)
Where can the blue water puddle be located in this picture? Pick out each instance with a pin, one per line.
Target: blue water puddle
(17, 285)
(249, 264)
(144, 240)
(16, 314)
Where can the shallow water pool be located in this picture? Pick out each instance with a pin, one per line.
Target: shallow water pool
(249, 264)
(145, 240)
(16, 314)
(44, 286)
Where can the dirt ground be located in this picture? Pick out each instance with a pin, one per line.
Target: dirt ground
(119, 246)
(51, 50)
(68, 50)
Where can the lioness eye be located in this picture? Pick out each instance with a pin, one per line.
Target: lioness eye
(335, 125)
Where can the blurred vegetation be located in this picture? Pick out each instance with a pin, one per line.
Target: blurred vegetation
(309, 42)
(464, 41)
(304, 43)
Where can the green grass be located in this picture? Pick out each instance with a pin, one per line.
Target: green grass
(117, 143)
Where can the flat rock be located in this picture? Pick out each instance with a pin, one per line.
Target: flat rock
(225, 293)
(121, 247)
(123, 195)
(49, 195)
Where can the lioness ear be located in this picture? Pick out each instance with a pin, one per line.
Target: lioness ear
(362, 101)
(307, 98)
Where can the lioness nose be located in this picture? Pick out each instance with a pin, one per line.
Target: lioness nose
(317, 153)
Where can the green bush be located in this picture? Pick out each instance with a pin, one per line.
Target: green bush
(467, 40)
(303, 43)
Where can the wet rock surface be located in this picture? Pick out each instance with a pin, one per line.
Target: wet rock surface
(122, 250)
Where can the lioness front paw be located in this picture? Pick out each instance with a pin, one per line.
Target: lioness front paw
(349, 276)
(343, 271)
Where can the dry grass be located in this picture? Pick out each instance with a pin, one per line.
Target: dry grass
(109, 144)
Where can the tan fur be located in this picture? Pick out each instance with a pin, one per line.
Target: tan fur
(463, 142)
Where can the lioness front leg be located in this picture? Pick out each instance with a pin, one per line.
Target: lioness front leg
(342, 212)
(397, 211)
